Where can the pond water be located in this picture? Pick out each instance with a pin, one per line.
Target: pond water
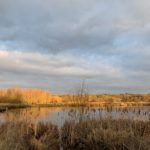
(58, 115)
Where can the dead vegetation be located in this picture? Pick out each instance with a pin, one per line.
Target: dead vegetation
(26, 136)
(105, 134)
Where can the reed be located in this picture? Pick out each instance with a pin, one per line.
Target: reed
(106, 135)
(27, 136)
(80, 134)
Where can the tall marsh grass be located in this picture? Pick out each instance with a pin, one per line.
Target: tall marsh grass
(105, 134)
(25, 136)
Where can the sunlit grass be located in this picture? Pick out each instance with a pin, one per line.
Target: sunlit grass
(30, 97)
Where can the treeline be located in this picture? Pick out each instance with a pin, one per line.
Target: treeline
(106, 99)
(37, 96)
(126, 97)
(27, 96)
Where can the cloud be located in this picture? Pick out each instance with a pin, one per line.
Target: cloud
(52, 65)
(62, 41)
(60, 72)
(56, 26)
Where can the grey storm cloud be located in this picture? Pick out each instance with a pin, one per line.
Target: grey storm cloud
(58, 43)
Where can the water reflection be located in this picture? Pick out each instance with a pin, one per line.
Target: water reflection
(58, 115)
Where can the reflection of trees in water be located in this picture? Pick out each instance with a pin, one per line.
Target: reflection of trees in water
(77, 114)
(29, 114)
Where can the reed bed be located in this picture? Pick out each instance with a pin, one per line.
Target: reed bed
(91, 134)
(106, 135)
(26, 136)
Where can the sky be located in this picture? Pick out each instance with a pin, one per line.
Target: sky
(56, 44)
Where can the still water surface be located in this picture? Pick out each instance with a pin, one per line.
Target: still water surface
(58, 115)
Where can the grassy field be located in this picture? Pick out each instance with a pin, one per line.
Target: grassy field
(84, 135)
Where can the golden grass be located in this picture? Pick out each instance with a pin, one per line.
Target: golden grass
(43, 98)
